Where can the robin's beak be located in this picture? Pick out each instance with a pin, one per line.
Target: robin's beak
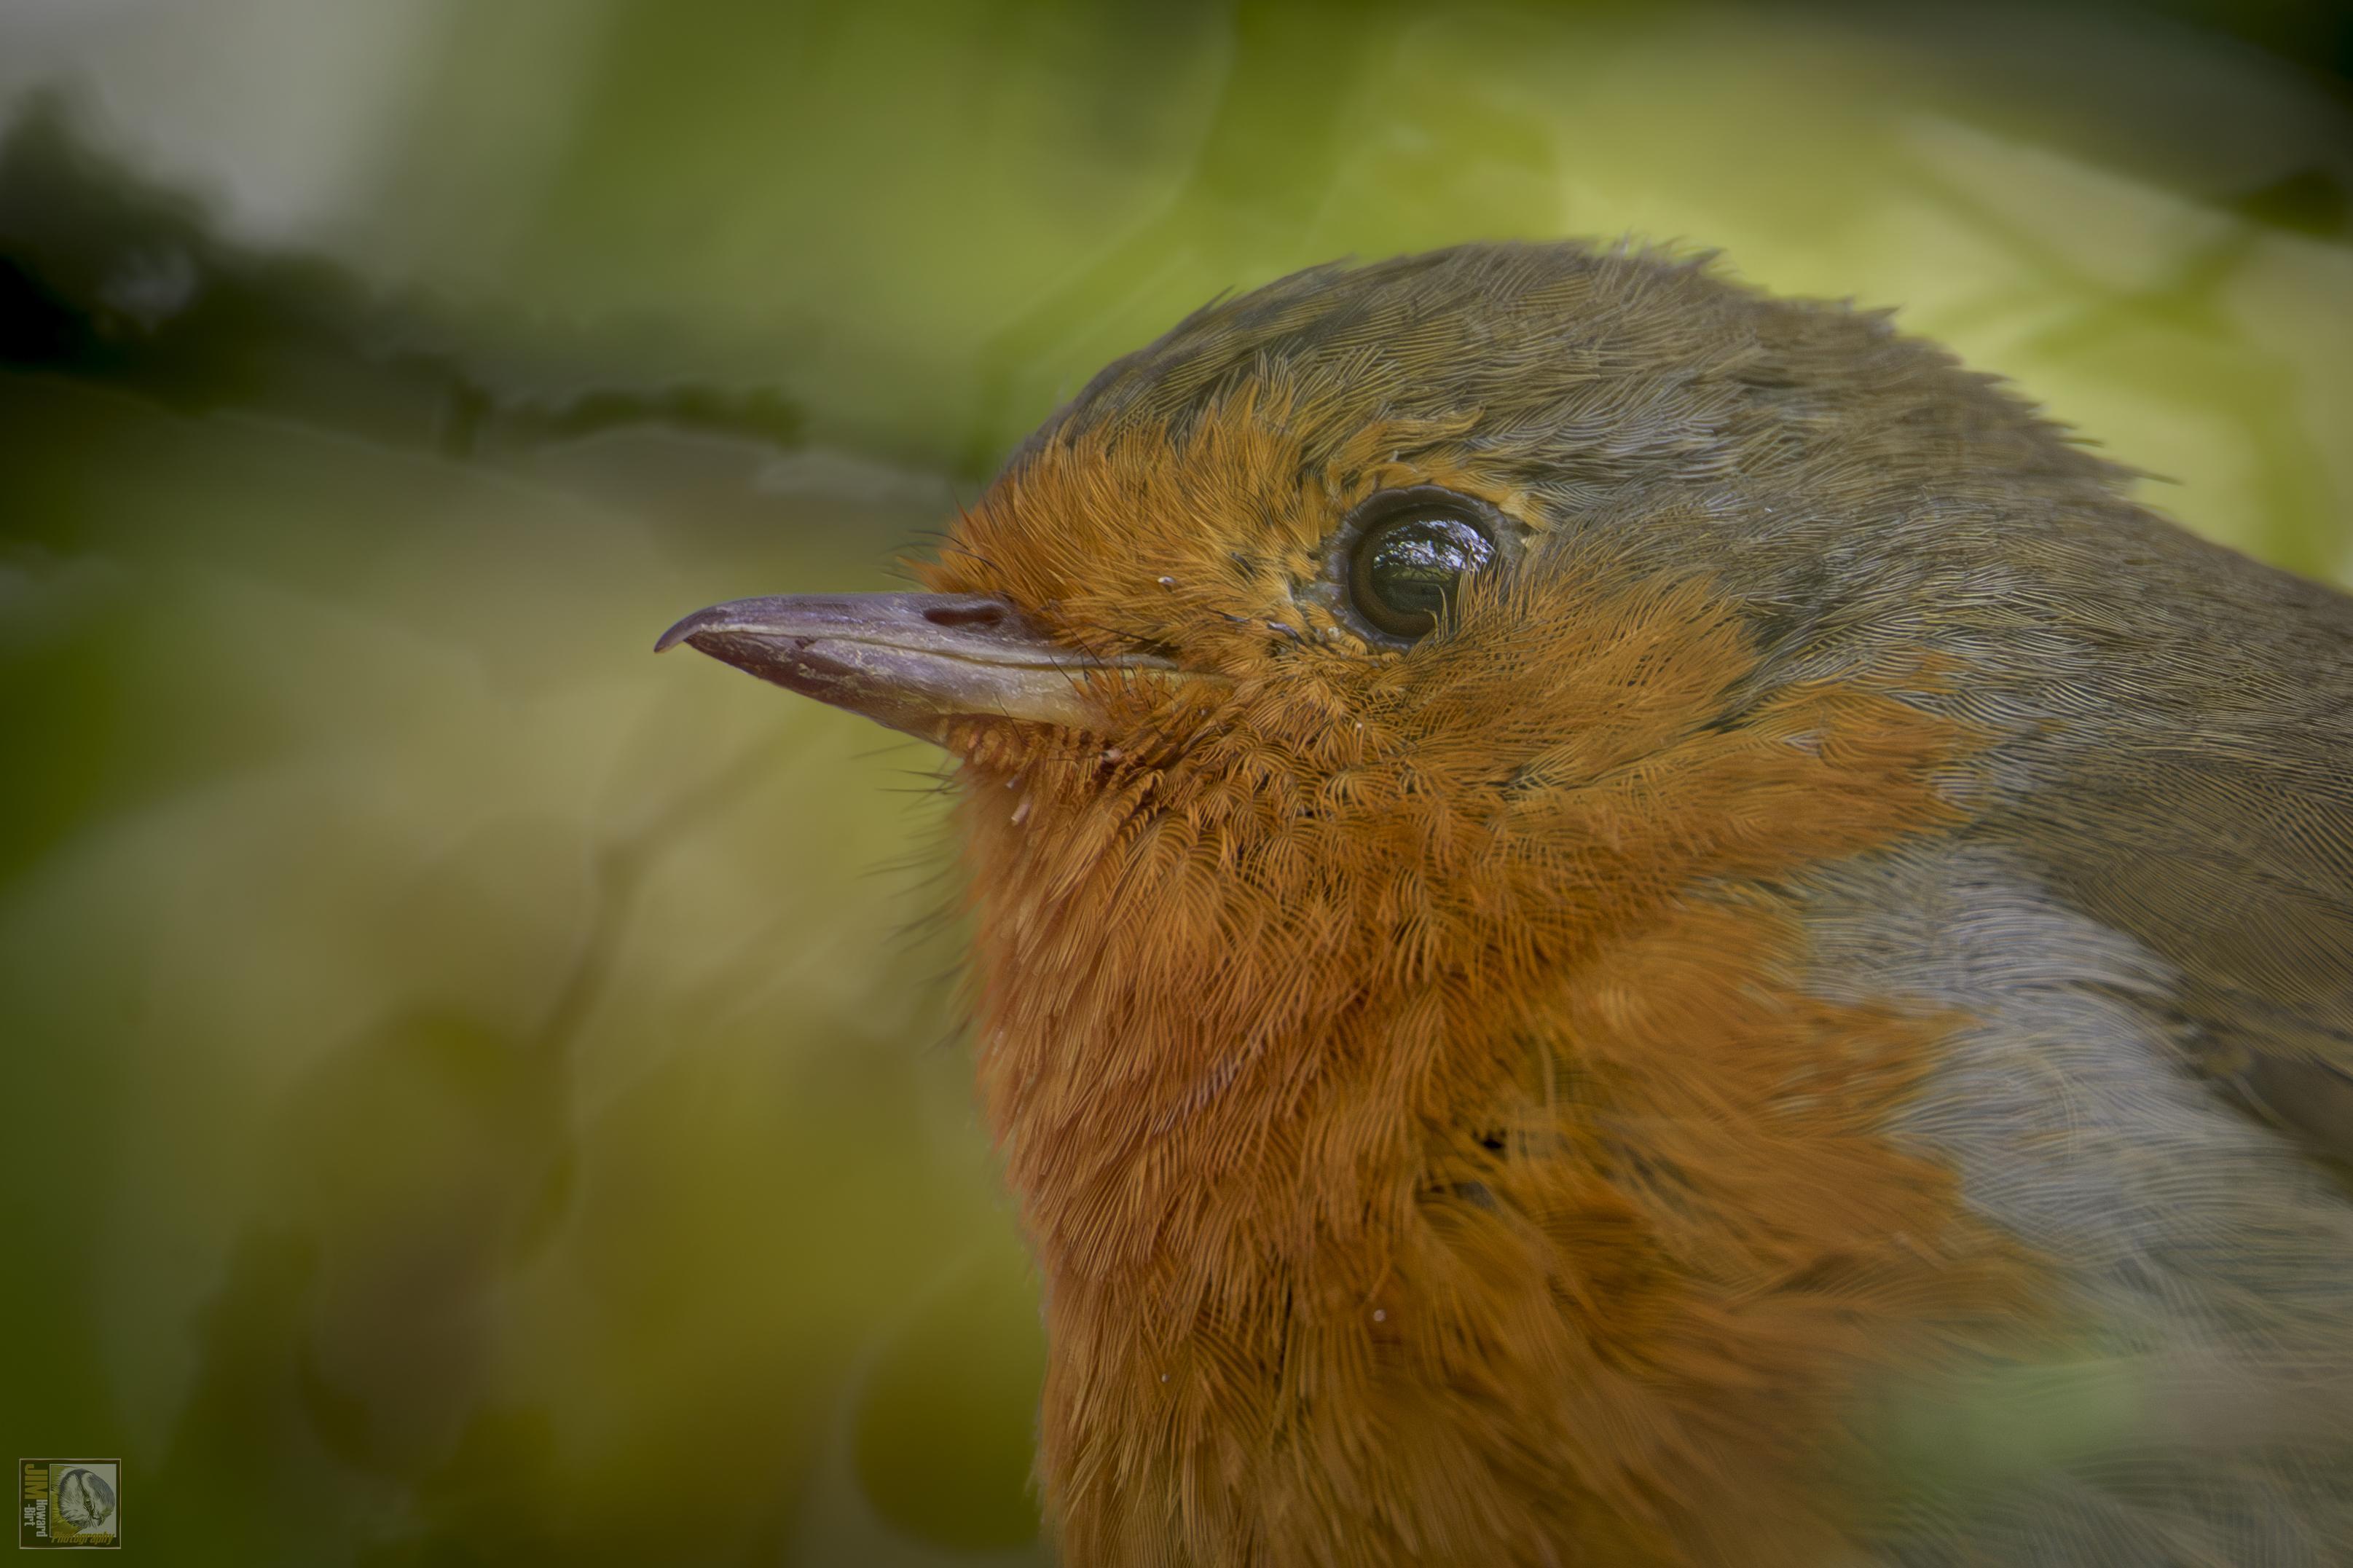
(913, 661)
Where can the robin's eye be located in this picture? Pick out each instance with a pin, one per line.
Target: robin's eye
(1407, 568)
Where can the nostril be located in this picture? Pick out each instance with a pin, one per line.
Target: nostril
(977, 613)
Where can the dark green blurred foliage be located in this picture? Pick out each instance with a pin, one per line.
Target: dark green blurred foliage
(479, 1095)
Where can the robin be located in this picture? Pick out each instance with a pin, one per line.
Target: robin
(1623, 922)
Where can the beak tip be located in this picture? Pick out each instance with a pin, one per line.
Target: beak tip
(681, 630)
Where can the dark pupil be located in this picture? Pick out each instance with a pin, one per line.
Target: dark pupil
(1408, 571)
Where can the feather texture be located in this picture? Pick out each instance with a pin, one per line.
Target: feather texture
(1810, 1023)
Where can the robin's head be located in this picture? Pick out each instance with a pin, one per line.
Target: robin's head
(1477, 525)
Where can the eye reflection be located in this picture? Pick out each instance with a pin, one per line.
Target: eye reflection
(1407, 569)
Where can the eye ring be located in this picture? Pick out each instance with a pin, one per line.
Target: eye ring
(1396, 564)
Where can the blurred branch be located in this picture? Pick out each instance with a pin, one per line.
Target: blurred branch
(620, 869)
(109, 277)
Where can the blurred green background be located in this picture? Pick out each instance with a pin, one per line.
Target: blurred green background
(476, 1094)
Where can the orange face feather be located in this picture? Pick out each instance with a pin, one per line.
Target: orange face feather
(1429, 1155)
